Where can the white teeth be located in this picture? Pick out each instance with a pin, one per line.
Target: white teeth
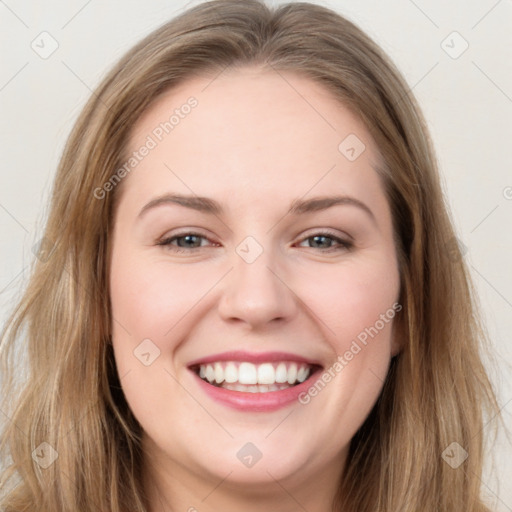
(254, 378)
(247, 374)
(259, 388)
(230, 373)
(281, 373)
(219, 373)
(302, 374)
(210, 374)
(266, 374)
(292, 373)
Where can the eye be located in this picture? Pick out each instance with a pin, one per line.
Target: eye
(185, 242)
(190, 242)
(323, 241)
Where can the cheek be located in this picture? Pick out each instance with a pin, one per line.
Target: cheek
(357, 305)
(151, 305)
(351, 297)
(150, 299)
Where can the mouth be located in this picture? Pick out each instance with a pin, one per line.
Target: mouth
(254, 382)
(247, 377)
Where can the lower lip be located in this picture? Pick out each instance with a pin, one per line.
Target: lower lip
(255, 402)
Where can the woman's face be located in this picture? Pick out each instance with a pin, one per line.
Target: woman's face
(253, 278)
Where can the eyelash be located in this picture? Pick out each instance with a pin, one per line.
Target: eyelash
(343, 244)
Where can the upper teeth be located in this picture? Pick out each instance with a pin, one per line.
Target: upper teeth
(249, 373)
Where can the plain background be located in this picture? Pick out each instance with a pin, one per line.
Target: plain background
(465, 94)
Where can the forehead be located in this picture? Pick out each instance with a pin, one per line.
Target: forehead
(263, 132)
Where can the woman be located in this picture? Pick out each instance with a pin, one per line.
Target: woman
(191, 345)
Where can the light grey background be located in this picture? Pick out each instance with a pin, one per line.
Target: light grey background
(466, 98)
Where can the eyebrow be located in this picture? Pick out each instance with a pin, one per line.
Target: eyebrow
(297, 207)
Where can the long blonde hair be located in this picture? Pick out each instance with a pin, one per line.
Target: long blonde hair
(437, 391)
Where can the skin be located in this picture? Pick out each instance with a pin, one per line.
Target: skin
(254, 143)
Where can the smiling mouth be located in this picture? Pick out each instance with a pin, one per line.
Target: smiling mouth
(255, 378)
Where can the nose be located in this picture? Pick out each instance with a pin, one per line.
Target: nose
(257, 293)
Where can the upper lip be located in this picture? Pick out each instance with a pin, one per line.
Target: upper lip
(253, 357)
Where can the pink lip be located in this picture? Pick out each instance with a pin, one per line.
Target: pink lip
(262, 357)
(255, 402)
